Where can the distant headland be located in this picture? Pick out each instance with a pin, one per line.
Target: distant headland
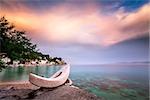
(16, 49)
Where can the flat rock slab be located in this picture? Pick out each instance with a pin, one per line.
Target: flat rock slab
(60, 93)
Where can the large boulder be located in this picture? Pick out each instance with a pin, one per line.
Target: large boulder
(59, 93)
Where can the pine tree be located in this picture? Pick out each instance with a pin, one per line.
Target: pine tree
(15, 43)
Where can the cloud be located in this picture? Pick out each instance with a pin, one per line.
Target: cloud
(121, 26)
(68, 23)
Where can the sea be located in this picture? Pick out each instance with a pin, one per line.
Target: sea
(106, 81)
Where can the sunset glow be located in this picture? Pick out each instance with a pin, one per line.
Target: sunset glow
(62, 24)
(88, 23)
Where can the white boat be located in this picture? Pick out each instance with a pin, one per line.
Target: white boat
(59, 78)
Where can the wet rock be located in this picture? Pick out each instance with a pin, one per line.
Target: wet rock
(104, 86)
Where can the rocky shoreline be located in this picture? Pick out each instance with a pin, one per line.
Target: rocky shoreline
(26, 91)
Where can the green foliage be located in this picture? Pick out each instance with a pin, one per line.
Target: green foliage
(15, 43)
(2, 65)
(18, 46)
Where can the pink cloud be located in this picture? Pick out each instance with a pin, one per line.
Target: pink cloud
(89, 25)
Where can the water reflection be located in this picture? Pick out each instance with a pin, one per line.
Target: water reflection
(119, 82)
(22, 73)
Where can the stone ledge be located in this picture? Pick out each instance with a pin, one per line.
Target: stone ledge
(59, 93)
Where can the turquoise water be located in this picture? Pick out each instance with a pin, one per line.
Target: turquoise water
(109, 82)
(113, 82)
(22, 73)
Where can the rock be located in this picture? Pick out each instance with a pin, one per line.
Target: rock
(14, 97)
(14, 93)
(66, 93)
(59, 93)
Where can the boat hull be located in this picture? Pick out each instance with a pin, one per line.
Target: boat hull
(59, 78)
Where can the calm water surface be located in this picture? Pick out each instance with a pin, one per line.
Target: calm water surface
(22, 73)
(109, 82)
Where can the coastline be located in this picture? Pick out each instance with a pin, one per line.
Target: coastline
(25, 90)
(34, 65)
(17, 85)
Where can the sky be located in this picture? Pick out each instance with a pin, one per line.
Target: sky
(84, 31)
